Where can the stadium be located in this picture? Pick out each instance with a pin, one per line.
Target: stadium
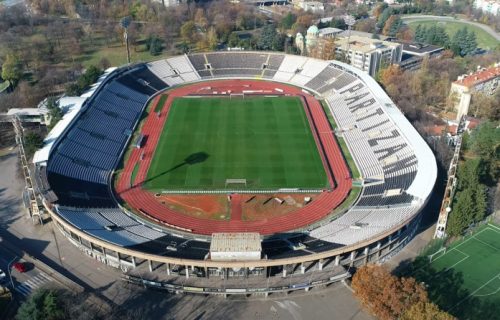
(235, 172)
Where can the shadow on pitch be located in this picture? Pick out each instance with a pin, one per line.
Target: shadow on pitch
(192, 159)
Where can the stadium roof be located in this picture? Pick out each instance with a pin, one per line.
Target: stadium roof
(73, 106)
(235, 242)
(24, 112)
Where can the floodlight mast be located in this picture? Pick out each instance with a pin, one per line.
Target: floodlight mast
(125, 23)
(349, 21)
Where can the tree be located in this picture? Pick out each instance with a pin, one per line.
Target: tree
(212, 39)
(12, 69)
(485, 106)
(481, 203)
(419, 33)
(379, 9)
(384, 17)
(392, 26)
(389, 75)
(154, 45)
(425, 310)
(267, 40)
(188, 32)
(462, 214)
(384, 295)
(338, 23)
(484, 141)
(200, 18)
(55, 112)
(288, 21)
(365, 25)
(32, 142)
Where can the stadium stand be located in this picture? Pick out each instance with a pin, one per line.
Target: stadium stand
(389, 153)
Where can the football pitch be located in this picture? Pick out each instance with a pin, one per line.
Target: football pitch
(265, 140)
(465, 279)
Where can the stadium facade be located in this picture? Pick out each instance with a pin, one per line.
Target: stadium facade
(74, 172)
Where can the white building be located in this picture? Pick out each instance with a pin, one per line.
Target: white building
(312, 6)
(485, 80)
(368, 54)
(488, 6)
(309, 41)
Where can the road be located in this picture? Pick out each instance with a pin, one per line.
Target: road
(410, 18)
(24, 283)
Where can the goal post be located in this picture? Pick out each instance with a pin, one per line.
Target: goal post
(237, 95)
(437, 254)
(236, 182)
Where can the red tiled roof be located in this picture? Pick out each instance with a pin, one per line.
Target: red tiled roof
(480, 76)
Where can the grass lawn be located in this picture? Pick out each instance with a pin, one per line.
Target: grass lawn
(484, 40)
(134, 173)
(345, 150)
(465, 279)
(265, 140)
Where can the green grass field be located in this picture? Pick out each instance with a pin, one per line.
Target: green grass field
(465, 280)
(484, 40)
(265, 140)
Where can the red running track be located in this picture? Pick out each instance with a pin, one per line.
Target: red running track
(146, 203)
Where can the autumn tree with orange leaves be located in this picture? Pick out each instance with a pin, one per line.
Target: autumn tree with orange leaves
(425, 310)
(386, 296)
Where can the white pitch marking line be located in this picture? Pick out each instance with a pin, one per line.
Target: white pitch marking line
(488, 294)
(455, 248)
(460, 261)
(487, 244)
(470, 295)
(494, 227)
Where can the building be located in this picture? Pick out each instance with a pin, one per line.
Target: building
(367, 54)
(329, 32)
(414, 53)
(484, 80)
(488, 6)
(312, 6)
(318, 43)
(169, 3)
(305, 44)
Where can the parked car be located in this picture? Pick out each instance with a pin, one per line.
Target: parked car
(20, 267)
(3, 277)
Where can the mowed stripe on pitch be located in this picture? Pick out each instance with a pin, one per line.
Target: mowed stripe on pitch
(267, 141)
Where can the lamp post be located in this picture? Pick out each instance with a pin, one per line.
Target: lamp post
(125, 23)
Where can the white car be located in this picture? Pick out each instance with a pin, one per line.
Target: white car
(3, 277)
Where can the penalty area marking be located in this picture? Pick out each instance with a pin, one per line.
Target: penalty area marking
(459, 261)
(474, 292)
(491, 293)
(495, 228)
